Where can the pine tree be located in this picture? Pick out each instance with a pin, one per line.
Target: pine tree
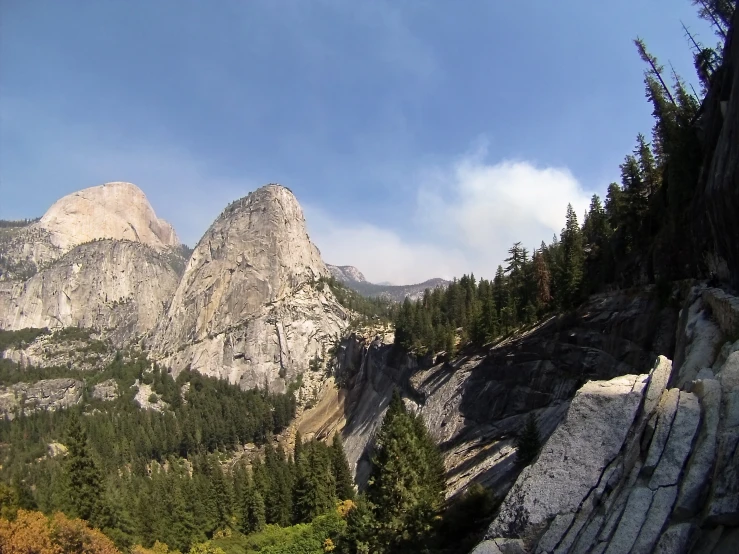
(407, 480)
(528, 442)
(573, 258)
(83, 477)
(342, 473)
(253, 513)
(542, 279)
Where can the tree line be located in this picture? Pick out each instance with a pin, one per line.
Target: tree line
(614, 245)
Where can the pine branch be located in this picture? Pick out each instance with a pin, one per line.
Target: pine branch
(652, 61)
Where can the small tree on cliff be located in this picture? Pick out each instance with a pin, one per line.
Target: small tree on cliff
(528, 442)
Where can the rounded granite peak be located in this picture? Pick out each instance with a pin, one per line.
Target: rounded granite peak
(115, 210)
(255, 253)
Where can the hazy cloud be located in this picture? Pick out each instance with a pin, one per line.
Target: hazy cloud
(466, 217)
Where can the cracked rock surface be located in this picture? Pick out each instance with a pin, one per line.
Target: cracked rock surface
(641, 469)
(47, 394)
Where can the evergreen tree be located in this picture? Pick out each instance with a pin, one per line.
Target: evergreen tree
(542, 280)
(573, 258)
(528, 442)
(342, 473)
(407, 480)
(315, 486)
(84, 479)
(253, 513)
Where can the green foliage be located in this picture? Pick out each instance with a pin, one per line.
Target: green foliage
(406, 487)
(215, 415)
(82, 477)
(253, 511)
(303, 538)
(20, 338)
(369, 308)
(528, 442)
(315, 482)
(14, 223)
(465, 521)
(341, 471)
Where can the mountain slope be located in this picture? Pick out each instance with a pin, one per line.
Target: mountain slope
(98, 258)
(346, 274)
(248, 308)
(118, 287)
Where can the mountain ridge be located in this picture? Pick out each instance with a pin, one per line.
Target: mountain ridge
(351, 277)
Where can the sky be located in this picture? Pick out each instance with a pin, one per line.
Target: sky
(421, 137)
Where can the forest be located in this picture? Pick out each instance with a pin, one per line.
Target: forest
(638, 234)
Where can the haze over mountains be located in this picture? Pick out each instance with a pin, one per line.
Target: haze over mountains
(354, 279)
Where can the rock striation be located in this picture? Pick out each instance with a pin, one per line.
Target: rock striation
(636, 466)
(119, 287)
(47, 394)
(250, 307)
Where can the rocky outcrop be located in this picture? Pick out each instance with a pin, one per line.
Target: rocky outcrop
(114, 210)
(249, 307)
(637, 467)
(106, 390)
(23, 250)
(47, 394)
(118, 211)
(80, 350)
(119, 287)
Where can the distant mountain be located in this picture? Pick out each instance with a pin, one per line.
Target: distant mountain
(346, 273)
(354, 279)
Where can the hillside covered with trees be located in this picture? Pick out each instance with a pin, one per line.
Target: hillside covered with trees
(642, 232)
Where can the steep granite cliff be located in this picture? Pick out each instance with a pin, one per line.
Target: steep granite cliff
(114, 210)
(115, 286)
(118, 211)
(637, 466)
(249, 307)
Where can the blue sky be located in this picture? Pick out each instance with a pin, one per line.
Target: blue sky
(421, 137)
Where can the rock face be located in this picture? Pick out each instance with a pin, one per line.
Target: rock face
(107, 390)
(637, 467)
(476, 405)
(118, 286)
(249, 308)
(23, 250)
(47, 394)
(111, 211)
(718, 188)
(394, 293)
(83, 352)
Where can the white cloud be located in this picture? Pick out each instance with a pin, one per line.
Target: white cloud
(381, 254)
(466, 217)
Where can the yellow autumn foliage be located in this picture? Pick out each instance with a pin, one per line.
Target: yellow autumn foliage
(34, 533)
